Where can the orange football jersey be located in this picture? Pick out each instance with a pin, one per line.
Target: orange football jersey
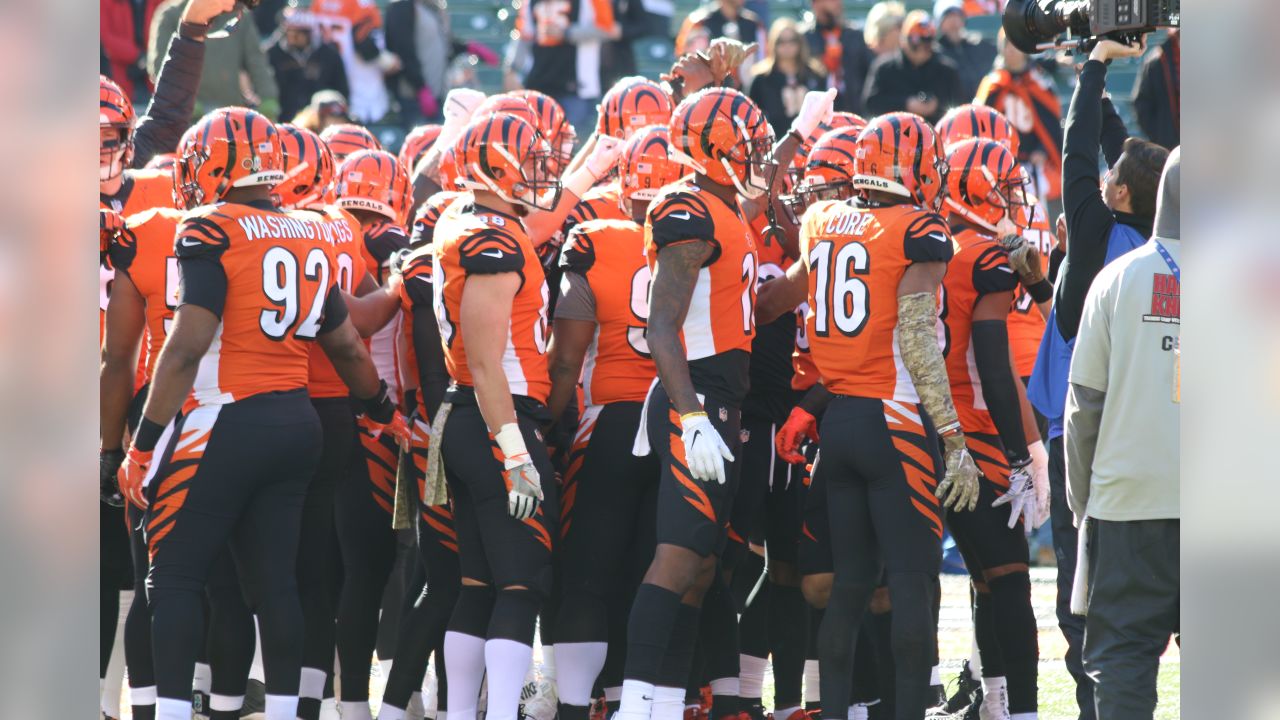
(477, 240)
(856, 257)
(142, 190)
(721, 315)
(341, 235)
(144, 252)
(610, 255)
(269, 276)
(599, 203)
(363, 15)
(1026, 325)
(424, 221)
(980, 267)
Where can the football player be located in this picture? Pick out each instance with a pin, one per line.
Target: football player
(255, 287)
(872, 268)
(423, 627)
(490, 300)
(985, 192)
(374, 188)
(700, 328)
(143, 297)
(609, 494)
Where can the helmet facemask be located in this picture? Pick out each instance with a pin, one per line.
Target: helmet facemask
(536, 187)
(757, 155)
(114, 154)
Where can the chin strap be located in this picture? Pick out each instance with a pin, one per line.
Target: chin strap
(773, 232)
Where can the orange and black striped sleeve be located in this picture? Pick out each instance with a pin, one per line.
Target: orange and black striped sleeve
(682, 217)
(927, 239)
(491, 250)
(992, 272)
(199, 245)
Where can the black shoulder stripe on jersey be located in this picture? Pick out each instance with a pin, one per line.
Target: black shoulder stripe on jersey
(488, 239)
(579, 253)
(992, 272)
(200, 235)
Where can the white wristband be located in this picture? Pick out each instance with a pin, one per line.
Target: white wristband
(580, 181)
(510, 441)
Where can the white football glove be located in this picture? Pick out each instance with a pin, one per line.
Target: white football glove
(814, 110)
(704, 449)
(603, 157)
(459, 105)
(526, 487)
(1040, 477)
(1020, 497)
(959, 487)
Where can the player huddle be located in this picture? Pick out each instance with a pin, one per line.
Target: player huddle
(601, 386)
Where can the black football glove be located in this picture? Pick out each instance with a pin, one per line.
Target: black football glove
(108, 465)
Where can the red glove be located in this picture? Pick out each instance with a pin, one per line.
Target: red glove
(131, 474)
(397, 426)
(799, 426)
(427, 102)
(486, 56)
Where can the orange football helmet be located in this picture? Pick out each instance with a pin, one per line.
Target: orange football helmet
(976, 121)
(449, 179)
(416, 144)
(344, 139)
(899, 153)
(632, 103)
(308, 167)
(829, 173)
(838, 120)
(552, 124)
(985, 184)
(229, 148)
(720, 133)
(374, 180)
(646, 165)
(507, 104)
(503, 154)
(116, 116)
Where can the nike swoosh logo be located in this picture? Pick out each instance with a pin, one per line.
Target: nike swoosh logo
(188, 242)
(492, 253)
(1004, 268)
(938, 236)
(681, 216)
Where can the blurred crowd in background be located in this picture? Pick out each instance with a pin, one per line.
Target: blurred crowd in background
(389, 63)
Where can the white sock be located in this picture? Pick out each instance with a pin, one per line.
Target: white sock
(506, 662)
(356, 710)
(812, 693)
(1024, 716)
(612, 694)
(385, 667)
(466, 654)
(785, 713)
(583, 662)
(751, 678)
(202, 680)
(935, 675)
(858, 711)
(990, 684)
(636, 701)
(282, 707)
(142, 695)
(329, 709)
(549, 663)
(173, 709)
(725, 687)
(226, 702)
(390, 712)
(668, 703)
(311, 684)
(975, 660)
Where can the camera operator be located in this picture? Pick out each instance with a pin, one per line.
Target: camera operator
(1104, 220)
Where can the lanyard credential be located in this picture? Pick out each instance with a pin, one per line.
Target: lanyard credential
(1168, 260)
